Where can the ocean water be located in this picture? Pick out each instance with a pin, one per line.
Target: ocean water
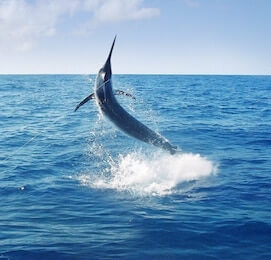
(73, 186)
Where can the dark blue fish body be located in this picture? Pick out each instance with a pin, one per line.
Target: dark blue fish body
(111, 108)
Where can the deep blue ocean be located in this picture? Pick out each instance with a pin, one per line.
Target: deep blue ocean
(73, 186)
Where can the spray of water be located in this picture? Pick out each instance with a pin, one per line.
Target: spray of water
(156, 174)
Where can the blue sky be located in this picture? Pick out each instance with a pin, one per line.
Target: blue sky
(153, 36)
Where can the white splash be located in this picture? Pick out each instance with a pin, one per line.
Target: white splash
(157, 174)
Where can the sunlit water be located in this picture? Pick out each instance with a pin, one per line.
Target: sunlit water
(75, 187)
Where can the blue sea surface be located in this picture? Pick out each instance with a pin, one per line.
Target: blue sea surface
(73, 186)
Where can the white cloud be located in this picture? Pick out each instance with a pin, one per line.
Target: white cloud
(117, 10)
(22, 22)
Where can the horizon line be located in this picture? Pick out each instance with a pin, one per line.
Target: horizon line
(165, 74)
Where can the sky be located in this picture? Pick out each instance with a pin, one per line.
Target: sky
(153, 36)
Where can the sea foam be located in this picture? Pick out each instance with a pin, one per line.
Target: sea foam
(156, 174)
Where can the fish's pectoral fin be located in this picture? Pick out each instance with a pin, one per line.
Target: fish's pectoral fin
(91, 96)
(121, 92)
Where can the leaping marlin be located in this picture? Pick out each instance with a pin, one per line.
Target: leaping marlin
(110, 107)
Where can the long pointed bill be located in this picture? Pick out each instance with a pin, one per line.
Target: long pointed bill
(111, 50)
(107, 66)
